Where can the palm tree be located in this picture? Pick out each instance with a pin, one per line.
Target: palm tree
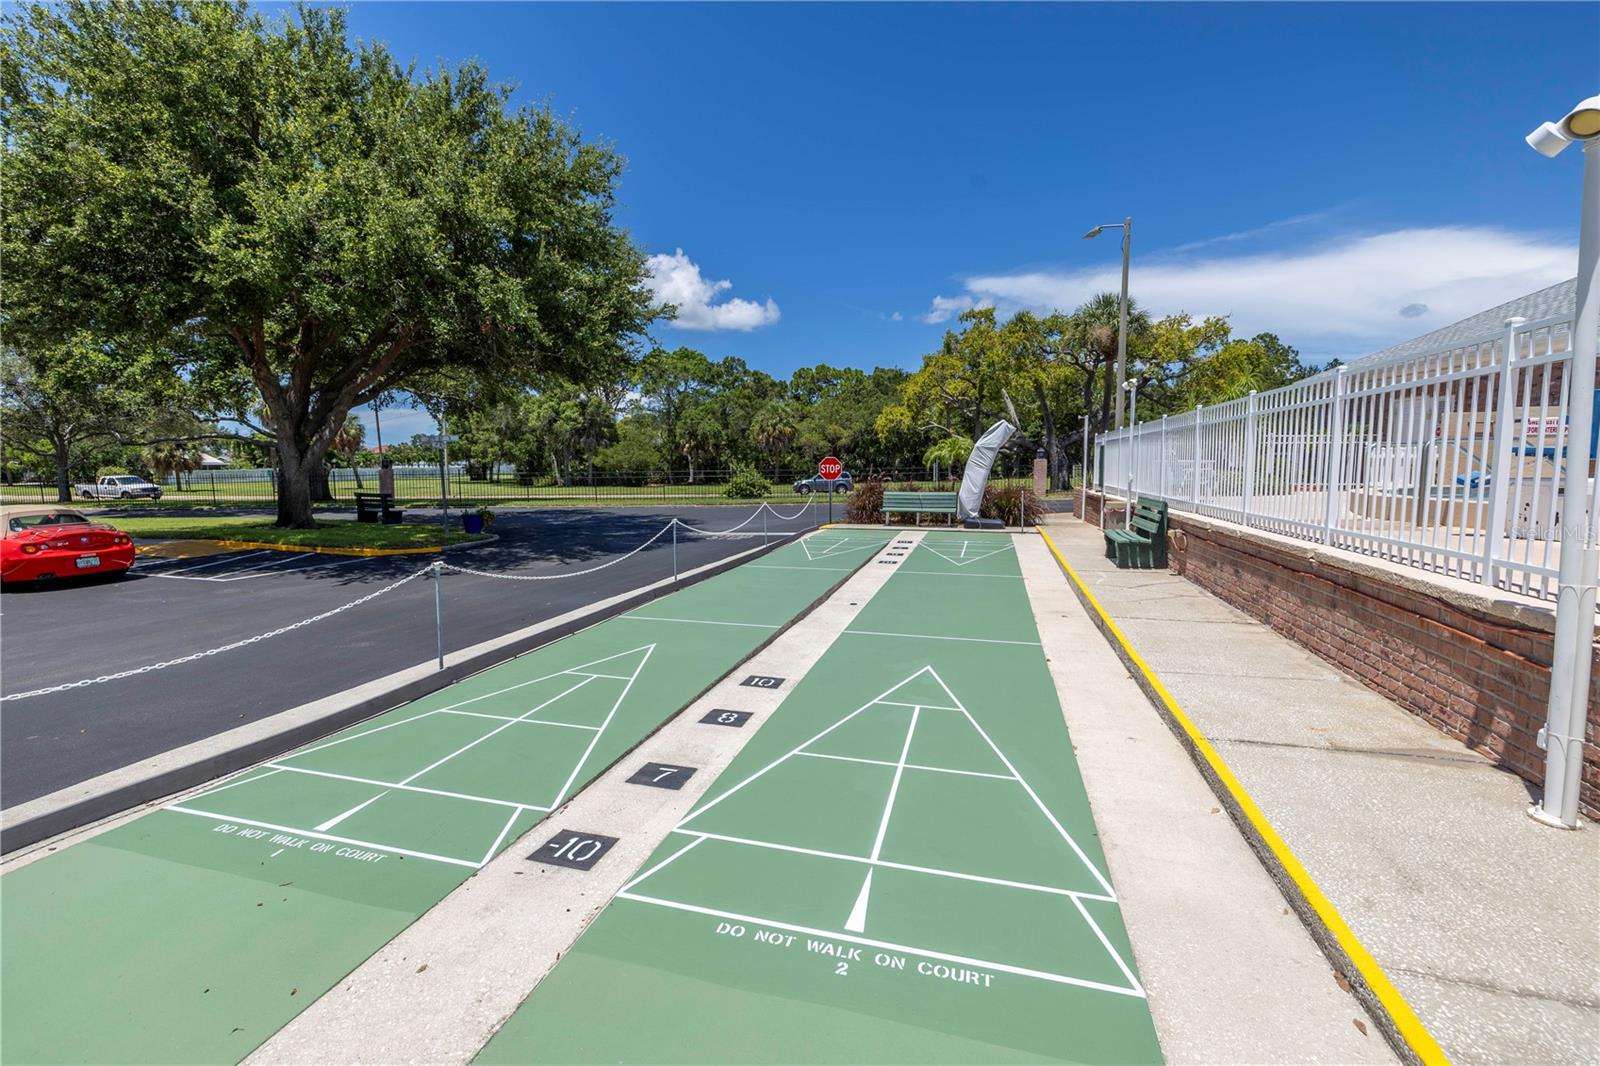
(347, 442)
(952, 452)
(170, 459)
(774, 428)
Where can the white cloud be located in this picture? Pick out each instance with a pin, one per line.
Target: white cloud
(676, 280)
(1348, 297)
(897, 317)
(945, 308)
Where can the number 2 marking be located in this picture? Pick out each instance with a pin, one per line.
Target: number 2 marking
(840, 969)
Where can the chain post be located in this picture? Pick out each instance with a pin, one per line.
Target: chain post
(438, 610)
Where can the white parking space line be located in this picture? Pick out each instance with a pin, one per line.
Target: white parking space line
(301, 562)
(217, 562)
(233, 575)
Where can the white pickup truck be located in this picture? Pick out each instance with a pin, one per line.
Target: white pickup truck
(118, 487)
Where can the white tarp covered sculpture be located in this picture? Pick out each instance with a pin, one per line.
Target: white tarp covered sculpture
(978, 464)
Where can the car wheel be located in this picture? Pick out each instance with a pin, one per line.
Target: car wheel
(87, 495)
(127, 496)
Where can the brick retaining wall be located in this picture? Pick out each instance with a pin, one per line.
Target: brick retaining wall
(1474, 666)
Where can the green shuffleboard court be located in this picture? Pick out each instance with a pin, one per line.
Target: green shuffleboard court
(195, 932)
(901, 866)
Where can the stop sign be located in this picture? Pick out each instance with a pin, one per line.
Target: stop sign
(830, 468)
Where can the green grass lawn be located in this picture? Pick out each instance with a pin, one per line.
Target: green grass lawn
(325, 535)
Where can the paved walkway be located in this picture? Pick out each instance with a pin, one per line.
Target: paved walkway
(1488, 924)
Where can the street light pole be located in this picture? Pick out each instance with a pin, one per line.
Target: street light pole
(1126, 225)
(1568, 709)
(1122, 315)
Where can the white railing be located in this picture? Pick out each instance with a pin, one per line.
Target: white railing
(1450, 461)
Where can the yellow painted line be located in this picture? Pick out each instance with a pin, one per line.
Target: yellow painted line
(1406, 1022)
(325, 551)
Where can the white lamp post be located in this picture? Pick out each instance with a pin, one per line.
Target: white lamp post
(1570, 666)
(1126, 226)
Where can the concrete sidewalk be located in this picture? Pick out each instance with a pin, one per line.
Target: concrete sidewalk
(1487, 923)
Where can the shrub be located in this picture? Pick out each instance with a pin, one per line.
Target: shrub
(110, 471)
(747, 484)
(866, 502)
(1003, 502)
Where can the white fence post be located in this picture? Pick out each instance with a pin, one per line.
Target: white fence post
(1335, 448)
(1161, 490)
(1249, 490)
(1194, 476)
(1500, 470)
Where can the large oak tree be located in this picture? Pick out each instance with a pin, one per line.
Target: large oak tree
(301, 220)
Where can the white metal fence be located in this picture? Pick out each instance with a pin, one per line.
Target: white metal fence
(1450, 461)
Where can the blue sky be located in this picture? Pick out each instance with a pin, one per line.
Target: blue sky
(857, 174)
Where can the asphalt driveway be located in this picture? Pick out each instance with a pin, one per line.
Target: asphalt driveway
(173, 607)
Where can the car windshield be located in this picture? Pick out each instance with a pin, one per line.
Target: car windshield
(128, 480)
(29, 521)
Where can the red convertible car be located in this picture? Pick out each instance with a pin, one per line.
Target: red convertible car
(47, 541)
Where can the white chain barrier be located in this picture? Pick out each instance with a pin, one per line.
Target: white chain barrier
(557, 577)
(213, 651)
(431, 569)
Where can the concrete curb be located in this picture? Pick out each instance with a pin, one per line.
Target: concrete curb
(1388, 1009)
(193, 764)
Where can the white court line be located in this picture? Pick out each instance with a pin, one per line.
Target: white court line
(808, 569)
(497, 840)
(524, 721)
(407, 788)
(462, 703)
(951, 573)
(931, 636)
(894, 786)
(857, 922)
(898, 685)
(1020, 971)
(890, 864)
(1106, 943)
(924, 706)
(696, 621)
(241, 780)
(230, 819)
(962, 560)
(336, 819)
(596, 738)
(696, 842)
(1037, 802)
(908, 766)
(216, 562)
(496, 730)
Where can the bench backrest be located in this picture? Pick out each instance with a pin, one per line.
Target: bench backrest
(919, 501)
(1150, 516)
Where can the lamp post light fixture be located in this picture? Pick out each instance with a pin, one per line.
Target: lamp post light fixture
(1580, 558)
(1126, 226)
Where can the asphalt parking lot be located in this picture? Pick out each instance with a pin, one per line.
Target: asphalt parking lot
(173, 607)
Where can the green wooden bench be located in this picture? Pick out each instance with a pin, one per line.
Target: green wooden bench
(919, 503)
(1142, 546)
